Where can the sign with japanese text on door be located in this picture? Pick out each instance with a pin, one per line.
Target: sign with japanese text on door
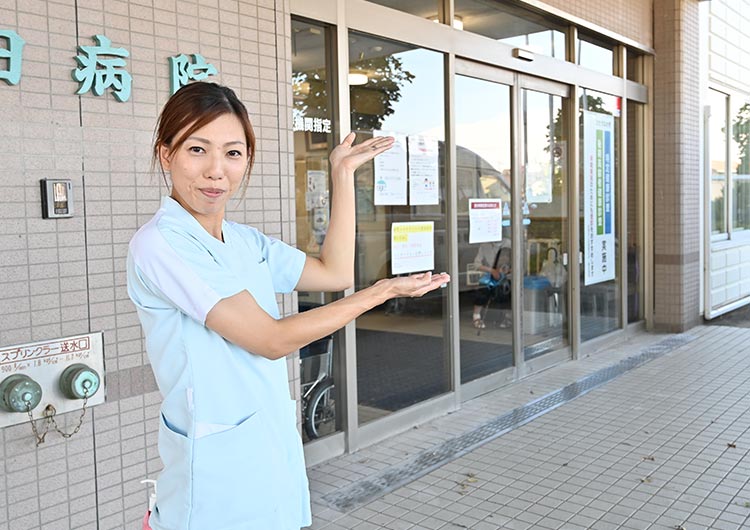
(412, 247)
(598, 197)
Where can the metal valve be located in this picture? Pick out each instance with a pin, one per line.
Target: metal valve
(19, 393)
(78, 381)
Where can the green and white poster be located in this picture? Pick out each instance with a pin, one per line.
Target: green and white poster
(598, 197)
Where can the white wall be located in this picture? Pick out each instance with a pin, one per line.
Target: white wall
(728, 262)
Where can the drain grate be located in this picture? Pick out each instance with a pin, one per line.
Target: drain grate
(354, 495)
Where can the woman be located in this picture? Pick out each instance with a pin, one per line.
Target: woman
(204, 288)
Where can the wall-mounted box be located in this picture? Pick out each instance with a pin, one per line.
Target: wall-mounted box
(57, 372)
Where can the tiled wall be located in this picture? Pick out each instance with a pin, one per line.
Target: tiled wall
(67, 276)
(728, 61)
(676, 165)
(629, 18)
(729, 55)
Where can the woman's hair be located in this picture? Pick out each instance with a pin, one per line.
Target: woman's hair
(194, 106)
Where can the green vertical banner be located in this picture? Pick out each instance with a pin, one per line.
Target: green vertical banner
(599, 182)
(598, 197)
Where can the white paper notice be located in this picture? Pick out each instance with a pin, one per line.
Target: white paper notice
(391, 172)
(598, 197)
(316, 195)
(412, 247)
(423, 170)
(316, 180)
(485, 220)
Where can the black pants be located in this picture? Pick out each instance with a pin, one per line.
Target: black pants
(484, 295)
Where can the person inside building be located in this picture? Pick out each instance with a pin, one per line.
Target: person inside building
(493, 259)
(205, 291)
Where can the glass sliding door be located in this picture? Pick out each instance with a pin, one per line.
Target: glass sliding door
(600, 241)
(313, 126)
(397, 90)
(544, 212)
(483, 166)
(635, 219)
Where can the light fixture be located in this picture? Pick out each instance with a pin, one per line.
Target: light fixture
(301, 89)
(358, 78)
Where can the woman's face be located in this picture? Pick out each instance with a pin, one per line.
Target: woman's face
(208, 167)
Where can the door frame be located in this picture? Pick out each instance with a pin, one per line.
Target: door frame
(517, 82)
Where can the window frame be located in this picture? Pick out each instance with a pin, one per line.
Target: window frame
(729, 234)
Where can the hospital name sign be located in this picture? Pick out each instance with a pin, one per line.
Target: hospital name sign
(102, 67)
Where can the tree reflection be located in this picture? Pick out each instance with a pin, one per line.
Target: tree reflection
(372, 102)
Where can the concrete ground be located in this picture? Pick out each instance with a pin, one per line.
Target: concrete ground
(662, 446)
(738, 318)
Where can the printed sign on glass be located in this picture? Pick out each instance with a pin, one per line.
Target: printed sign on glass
(598, 197)
(485, 220)
(423, 170)
(412, 247)
(391, 172)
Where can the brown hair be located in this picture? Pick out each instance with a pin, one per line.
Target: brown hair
(193, 106)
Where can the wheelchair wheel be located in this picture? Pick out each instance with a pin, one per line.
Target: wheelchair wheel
(320, 414)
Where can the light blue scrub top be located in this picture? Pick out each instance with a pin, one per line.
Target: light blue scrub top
(227, 436)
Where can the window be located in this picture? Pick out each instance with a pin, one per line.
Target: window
(740, 163)
(402, 352)
(313, 126)
(511, 25)
(596, 54)
(717, 153)
(634, 66)
(600, 237)
(728, 140)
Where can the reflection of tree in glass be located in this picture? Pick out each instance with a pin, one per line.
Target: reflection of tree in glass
(593, 104)
(556, 136)
(741, 185)
(741, 134)
(310, 94)
(372, 102)
(556, 140)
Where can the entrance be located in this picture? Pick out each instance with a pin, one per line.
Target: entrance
(512, 197)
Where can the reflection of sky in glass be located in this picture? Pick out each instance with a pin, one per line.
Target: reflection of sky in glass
(482, 110)
(483, 121)
(540, 115)
(421, 107)
(540, 112)
(595, 57)
(717, 126)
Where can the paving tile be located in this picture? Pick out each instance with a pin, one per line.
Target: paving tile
(646, 450)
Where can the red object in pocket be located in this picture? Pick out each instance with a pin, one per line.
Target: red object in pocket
(145, 521)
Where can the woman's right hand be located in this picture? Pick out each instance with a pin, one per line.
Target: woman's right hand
(414, 285)
(349, 157)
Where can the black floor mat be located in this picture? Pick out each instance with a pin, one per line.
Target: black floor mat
(396, 370)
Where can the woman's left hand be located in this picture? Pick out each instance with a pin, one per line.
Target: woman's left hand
(349, 157)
